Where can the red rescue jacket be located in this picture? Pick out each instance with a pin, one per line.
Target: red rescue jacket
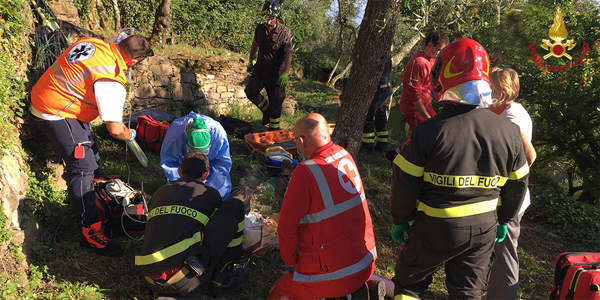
(325, 227)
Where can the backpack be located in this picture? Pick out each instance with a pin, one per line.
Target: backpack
(576, 276)
(121, 209)
(235, 126)
(151, 133)
(274, 157)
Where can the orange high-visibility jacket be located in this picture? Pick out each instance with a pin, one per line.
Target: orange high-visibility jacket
(325, 227)
(67, 88)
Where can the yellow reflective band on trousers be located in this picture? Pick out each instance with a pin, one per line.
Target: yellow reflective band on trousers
(235, 242)
(263, 105)
(408, 167)
(178, 210)
(520, 173)
(405, 297)
(459, 211)
(238, 241)
(160, 255)
(464, 181)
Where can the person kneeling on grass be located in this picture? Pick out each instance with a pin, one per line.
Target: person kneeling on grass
(192, 237)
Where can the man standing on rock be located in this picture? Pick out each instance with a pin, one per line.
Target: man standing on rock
(274, 44)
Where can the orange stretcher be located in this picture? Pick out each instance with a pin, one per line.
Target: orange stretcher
(264, 140)
(284, 138)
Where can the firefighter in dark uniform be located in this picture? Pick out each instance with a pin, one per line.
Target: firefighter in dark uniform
(273, 41)
(375, 131)
(192, 237)
(450, 178)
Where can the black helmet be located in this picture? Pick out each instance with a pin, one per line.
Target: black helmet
(271, 9)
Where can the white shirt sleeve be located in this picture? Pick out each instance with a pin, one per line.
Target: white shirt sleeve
(517, 114)
(110, 97)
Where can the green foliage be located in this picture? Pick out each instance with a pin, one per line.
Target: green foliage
(5, 234)
(317, 66)
(578, 221)
(563, 104)
(12, 84)
(139, 14)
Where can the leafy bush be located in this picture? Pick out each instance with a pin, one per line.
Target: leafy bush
(317, 66)
(578, 221)
(12, 84)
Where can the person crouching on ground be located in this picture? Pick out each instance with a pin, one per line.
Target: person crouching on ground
(325, 230)
(198, 132)
(192, 237)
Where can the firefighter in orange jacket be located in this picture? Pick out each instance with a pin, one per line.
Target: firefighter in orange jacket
(86, 81)
(450, 178)
(325, 231)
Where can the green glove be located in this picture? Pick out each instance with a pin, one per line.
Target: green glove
(249, 66)
(501, 233)
(283, 79)
(398, 232)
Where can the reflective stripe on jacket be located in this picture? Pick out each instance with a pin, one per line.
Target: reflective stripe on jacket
(67, 88)
(457, 166)
(335, 237)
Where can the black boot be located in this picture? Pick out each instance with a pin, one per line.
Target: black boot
(229, 281)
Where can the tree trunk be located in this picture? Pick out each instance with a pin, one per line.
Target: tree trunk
(162, 23)
(405, 49)
(332, 82)
(371, 50)
(341, 43)
(117, 15)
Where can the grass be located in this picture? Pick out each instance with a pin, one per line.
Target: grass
(61, 269)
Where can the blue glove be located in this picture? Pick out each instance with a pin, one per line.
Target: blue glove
(501, 233)
(398, 232)
(291, 269)
(133, 134)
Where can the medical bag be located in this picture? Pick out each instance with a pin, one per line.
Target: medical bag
(151, 133)
(275, 156)
(576, 276)
(121, 209)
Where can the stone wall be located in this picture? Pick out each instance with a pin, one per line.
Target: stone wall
(177, 85)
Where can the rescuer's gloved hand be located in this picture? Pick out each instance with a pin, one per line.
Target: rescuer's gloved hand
(398, 232)
(501, 233)
(249, 66)
(133, 134)
(283, 79)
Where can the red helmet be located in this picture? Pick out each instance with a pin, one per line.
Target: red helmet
(462, 61)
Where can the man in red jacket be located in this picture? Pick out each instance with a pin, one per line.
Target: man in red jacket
(325, 231)
(415, 102)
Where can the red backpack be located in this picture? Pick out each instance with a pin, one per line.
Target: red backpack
(151, 133)
(576, 276)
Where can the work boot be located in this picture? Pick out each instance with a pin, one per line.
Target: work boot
(381, 147)
(225, 284)
(377, 289)
(95, 239)
(366, 148)
(283, 179)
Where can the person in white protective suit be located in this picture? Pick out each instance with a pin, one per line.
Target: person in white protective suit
(200, 132)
